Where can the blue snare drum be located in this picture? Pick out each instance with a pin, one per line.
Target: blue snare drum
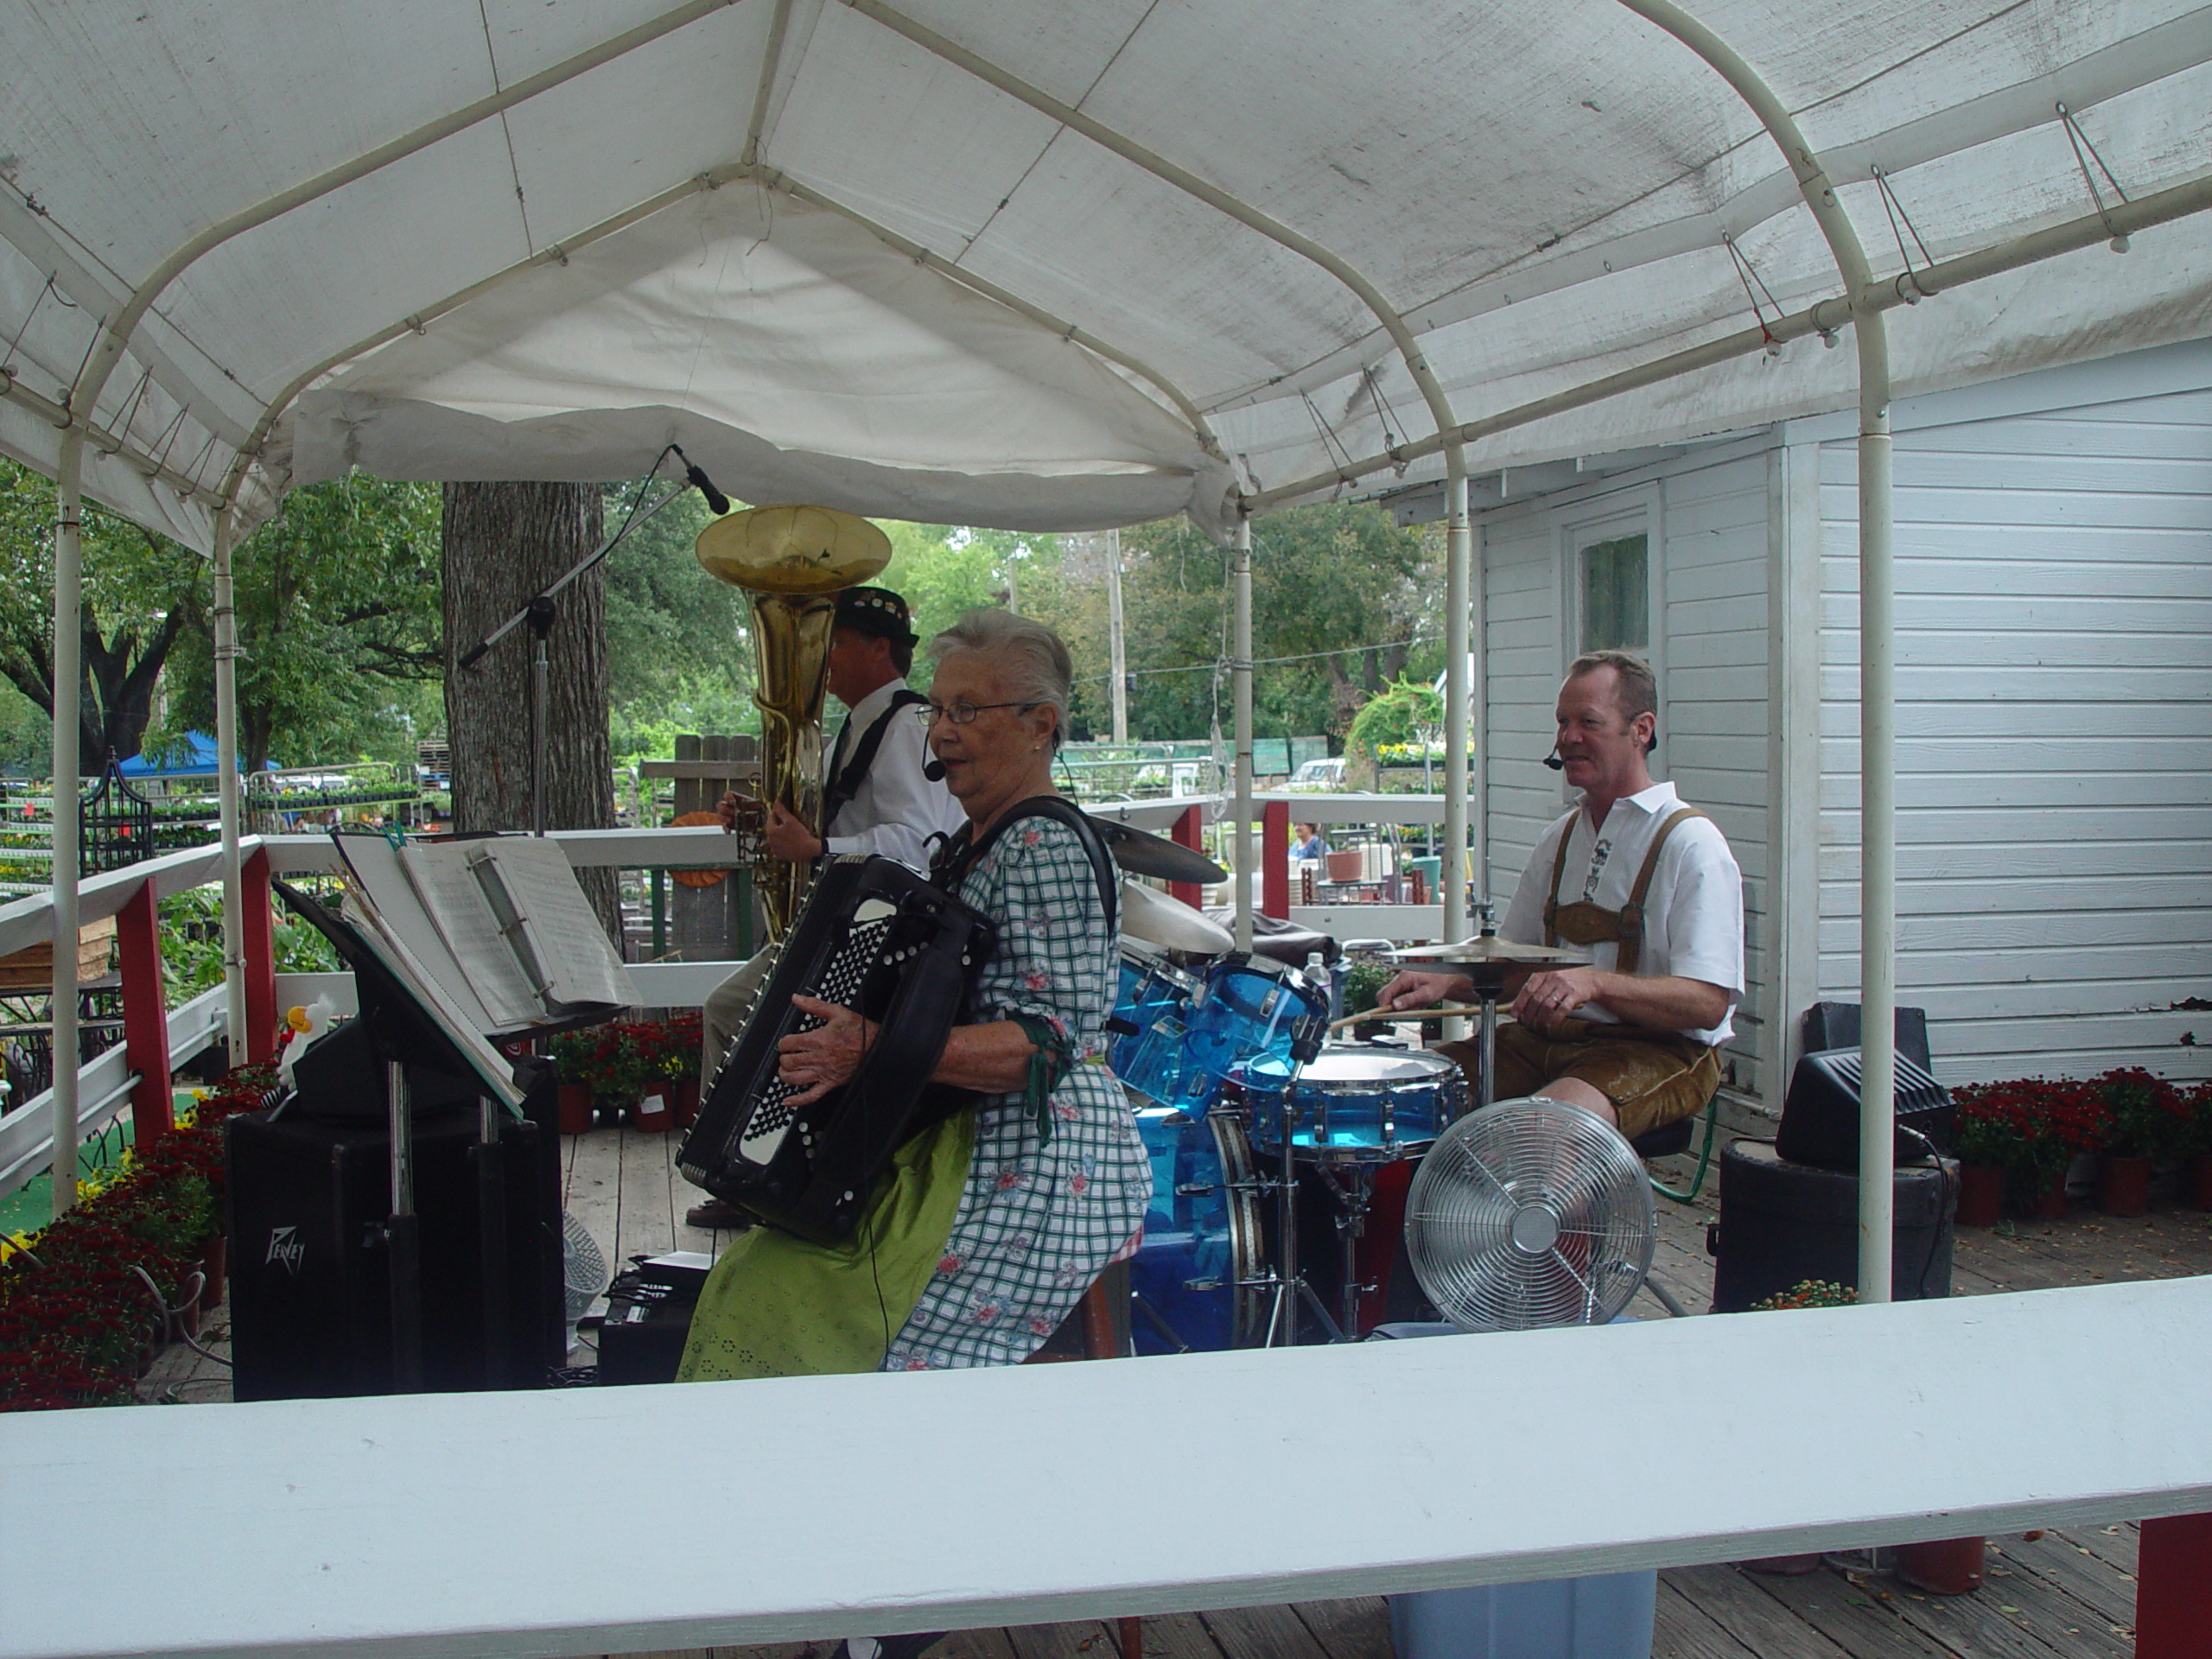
(1202, 1242)
(1248, 1012)
(1153, 990)
(1357, 1105)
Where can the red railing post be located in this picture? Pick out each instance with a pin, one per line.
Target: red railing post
(145, 1017)
(1274, 860)
(1186, 834)
(2173, 1589)
(260, 961)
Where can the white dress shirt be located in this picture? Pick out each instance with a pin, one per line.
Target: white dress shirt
(1694, 910)
(896, 809)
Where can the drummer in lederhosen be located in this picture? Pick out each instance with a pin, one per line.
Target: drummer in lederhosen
(1648, 887)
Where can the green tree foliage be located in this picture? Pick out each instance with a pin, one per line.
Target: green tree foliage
(1350, 598)
(339, 622)
(1405, 713)
(679, 649)
(140, 590)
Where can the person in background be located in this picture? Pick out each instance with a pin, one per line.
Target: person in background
(1305, 840)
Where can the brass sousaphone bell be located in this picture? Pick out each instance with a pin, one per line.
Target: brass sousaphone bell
(793, 561)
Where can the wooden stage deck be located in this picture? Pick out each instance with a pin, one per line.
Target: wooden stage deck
(2058, 1595)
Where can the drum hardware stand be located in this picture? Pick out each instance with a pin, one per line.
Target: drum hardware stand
(1286, 1286)
(1355, 1195)
(403, 1238)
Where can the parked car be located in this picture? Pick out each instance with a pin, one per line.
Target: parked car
(1323, 774)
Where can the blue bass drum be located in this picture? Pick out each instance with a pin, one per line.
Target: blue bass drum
(1193, 1274)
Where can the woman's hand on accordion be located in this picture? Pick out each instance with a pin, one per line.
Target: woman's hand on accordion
(815, 1062)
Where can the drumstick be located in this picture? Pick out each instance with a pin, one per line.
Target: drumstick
(1442, 1011)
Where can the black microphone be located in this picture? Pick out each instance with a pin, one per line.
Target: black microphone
(704, 485)
(1553, 762)
(933, 769)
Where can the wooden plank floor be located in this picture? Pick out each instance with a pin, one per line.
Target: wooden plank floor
(2056, 1595)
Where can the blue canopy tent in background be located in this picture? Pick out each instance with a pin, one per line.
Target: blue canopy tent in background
(195, 757)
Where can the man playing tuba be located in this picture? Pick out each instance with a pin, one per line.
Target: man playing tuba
(875, 799)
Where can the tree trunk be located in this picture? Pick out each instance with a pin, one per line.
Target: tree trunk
(504, 542)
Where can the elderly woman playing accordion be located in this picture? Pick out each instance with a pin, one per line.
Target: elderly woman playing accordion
(991, 1223)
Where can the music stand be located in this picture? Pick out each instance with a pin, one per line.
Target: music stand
(401, 1029)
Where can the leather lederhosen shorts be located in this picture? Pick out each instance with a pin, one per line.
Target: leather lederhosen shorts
(1652, 1077)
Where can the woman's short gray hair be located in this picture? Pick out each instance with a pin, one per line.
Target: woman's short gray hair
(1032, 661)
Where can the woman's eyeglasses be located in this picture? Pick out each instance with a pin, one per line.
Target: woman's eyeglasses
(961, 714)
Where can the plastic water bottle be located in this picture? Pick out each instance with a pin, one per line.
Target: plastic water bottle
(1316, 975)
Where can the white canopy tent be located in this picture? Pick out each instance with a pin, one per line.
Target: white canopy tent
(1051, 266)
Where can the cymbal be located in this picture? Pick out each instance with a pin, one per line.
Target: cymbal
(1488, 948)
(1153, 917)
(1141, 853)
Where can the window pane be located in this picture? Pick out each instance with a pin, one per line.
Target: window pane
(1616, 610)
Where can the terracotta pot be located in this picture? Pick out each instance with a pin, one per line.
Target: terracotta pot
(2198, 1181)
(2124, 1186)
(215, 1257)
(1943, 1567)
(683, 1100)
(2050, 1204)
(651, 1112)
(1981, 1194)
(576, 1107)
(1344, 867)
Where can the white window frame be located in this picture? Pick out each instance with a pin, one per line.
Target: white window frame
(1615, 517)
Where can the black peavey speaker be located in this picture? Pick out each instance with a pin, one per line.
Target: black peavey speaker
(311, 1302)
(649, 1317)
(1820, 1118)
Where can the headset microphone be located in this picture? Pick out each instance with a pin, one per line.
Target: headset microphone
(933, 769)
(1553, 762)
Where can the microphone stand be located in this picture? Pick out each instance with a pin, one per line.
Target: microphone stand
(541, 612)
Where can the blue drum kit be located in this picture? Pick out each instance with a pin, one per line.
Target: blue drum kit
(1227, 1063)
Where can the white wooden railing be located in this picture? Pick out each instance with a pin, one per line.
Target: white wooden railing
(104, 1082)
(612, 1521)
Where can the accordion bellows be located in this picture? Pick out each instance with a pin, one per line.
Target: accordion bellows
(875, 938)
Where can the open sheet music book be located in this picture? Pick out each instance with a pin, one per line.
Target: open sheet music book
(497, 923)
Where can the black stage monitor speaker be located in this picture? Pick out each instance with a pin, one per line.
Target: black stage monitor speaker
(311, 1309)
(1835, 1025)
(1820, 1119)
(649, 1317)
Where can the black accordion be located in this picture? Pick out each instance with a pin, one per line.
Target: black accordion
(875, 938)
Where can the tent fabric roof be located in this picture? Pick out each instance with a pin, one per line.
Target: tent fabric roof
(837, 265)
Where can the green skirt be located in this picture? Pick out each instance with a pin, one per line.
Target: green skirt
(777, 1305)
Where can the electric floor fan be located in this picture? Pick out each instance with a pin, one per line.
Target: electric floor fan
(1529, 1213)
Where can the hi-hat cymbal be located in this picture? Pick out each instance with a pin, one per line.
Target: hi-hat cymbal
(1141, 853)
(1170, 924)
(1488, 948)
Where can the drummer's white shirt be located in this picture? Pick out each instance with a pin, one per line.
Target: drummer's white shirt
(1694, 910)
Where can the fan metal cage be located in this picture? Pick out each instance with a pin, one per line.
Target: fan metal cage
(1529, 1213)
(583, 1269)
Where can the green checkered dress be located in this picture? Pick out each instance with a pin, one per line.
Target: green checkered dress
(1038, 1220)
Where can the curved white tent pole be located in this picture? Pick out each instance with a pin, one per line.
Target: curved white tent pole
(1823, 316)
(1453, 895)
(226, 782)
(1240, 669)
(84, 394)
(69, 613)
(1876, 649)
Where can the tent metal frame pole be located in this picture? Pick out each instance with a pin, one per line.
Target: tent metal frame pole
(225, 606)
(1822, 317)
(1408, 348)
(68, 673)
(1240, 673)
(1876, 649)
(1452, 885)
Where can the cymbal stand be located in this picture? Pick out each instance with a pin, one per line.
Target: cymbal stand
(1354, 1190)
